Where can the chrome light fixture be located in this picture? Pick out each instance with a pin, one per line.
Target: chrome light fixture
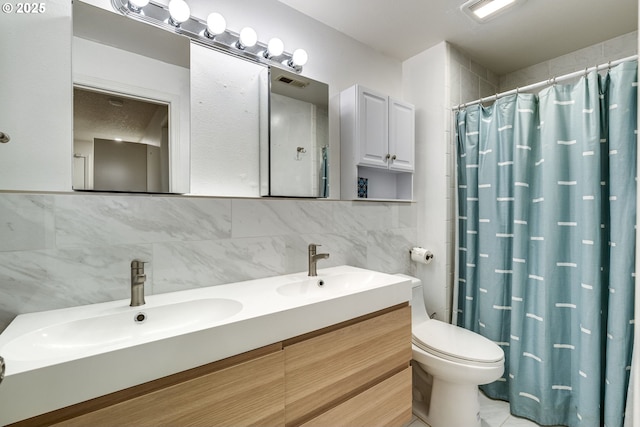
(212, 32)
(485, 10)
(216, 25)
(298, 59)
(179, 12)
(275, 47)
(137, 5)
(248, 38)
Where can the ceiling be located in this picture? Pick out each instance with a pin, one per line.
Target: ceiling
(106, 116)
(527, 34)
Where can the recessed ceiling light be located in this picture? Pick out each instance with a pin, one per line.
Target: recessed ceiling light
(484, 10)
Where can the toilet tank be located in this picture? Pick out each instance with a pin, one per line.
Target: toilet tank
(418, 310)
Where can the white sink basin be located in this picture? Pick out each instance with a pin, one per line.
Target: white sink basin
(127, 324)
(327, 285)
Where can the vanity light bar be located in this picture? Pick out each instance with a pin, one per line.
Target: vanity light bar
(226, 40)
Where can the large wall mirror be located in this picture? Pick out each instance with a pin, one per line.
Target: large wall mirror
(225, 132)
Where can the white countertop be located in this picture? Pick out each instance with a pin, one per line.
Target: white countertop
(43, 379)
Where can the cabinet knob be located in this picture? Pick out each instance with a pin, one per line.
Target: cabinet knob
(394, 157)
(4, 138)
(388, 156)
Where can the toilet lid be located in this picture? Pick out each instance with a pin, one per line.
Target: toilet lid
(456, 342)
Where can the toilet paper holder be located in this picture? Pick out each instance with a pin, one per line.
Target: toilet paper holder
(421, 255)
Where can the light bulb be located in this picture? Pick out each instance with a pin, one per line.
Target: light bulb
(179, 11)
(216, 24)
(299, 58)
(136, 5)
(248, 38)
(275, 47)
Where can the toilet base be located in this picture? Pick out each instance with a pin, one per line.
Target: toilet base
(453, 405)
(444, 404)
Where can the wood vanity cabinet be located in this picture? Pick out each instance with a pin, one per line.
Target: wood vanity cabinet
(355, 373)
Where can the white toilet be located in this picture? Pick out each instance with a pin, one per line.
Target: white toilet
(457, 361)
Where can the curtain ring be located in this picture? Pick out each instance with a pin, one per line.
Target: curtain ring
(609, 66)
(517, 90)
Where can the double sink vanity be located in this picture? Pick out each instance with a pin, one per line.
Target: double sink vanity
(287, 350)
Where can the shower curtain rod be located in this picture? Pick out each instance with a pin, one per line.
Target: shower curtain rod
(548, 82)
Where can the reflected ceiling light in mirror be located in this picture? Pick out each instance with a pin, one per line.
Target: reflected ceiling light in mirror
(248, 38)
(212, 32)
(216, 25)
(137, 5)
(179, 12)
(275, 47)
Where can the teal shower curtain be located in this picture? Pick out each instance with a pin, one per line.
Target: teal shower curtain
(547, 213)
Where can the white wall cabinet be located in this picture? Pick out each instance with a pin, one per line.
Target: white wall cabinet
(377, 134)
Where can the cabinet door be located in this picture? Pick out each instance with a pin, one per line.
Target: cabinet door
(324, 371)
(373, 128)
(401, 136)
(35, 96)
(385, 404)
(246, 394)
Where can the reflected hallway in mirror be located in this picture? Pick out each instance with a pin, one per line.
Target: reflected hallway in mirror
(120, 143)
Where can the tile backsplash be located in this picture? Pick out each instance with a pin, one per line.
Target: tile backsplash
(62, 250)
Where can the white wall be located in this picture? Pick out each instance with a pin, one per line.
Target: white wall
(426, 85)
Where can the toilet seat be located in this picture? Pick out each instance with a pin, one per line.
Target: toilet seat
(456, 344)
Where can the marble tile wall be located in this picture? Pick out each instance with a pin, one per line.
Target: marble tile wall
(62, 250)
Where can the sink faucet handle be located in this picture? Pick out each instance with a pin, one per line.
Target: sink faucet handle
(314, 245)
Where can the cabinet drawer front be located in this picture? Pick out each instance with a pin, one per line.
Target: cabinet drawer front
(386, 404)
(327, 369)
(249, 393)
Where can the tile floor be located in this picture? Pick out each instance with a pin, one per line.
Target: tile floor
(494, 413)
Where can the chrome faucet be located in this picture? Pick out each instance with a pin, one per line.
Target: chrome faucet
(137, 283)
(314, 257)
